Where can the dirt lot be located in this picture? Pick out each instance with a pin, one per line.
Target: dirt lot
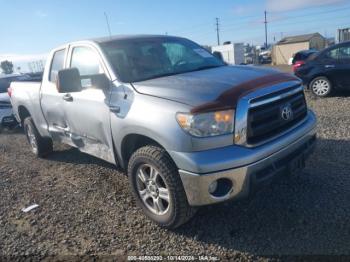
(85, 206)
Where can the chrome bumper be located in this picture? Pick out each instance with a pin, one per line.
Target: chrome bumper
(247, 175)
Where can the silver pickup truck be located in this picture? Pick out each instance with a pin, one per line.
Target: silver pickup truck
(187, 129)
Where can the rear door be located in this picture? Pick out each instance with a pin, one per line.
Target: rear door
(88, 112)
(51, 100)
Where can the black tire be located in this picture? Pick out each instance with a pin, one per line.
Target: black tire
(178, 210)
(319, 91)
(41, 146)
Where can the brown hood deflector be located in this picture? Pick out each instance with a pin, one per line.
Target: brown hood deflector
(229, 98)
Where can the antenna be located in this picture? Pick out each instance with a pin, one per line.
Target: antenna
(108, 27)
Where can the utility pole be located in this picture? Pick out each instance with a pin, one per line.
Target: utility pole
(217, 30)
(265, 30)
(107, 22)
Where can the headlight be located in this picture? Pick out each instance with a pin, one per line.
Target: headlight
(207, 124)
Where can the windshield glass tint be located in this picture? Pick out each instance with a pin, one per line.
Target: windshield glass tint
(140, 59)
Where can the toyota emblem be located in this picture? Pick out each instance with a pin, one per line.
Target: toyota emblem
(286, 112)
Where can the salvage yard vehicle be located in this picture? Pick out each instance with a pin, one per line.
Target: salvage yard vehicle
(327, 70)
(188, 129)
(6, 116)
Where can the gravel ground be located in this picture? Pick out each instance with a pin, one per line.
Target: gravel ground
(85, 206)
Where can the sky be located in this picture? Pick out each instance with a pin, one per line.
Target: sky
(30, 29)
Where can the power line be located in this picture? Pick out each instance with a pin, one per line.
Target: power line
(240, 22)
(282, 23)
(217, 30)
(307, 21)
(229, 26)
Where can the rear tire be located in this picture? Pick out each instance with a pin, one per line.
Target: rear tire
(157, 187)
(41, 146)
(321, 86)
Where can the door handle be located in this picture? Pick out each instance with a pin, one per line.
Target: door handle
(68, 97)
(329, 66)
(114, 109)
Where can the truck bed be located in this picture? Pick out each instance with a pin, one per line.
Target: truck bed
(26, 94)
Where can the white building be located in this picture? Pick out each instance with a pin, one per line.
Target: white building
(231, 53)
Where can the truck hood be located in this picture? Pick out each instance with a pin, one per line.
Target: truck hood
(212, 89)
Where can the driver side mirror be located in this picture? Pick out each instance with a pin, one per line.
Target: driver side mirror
(68, 81)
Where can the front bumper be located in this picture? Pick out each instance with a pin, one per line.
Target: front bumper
(244, 167)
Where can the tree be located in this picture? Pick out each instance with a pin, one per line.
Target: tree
(6, 67)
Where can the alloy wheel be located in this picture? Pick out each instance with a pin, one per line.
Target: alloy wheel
(152, 189)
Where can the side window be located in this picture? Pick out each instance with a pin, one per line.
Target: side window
(332, 54)
(56, 65)
(344, 52)
(86, 60)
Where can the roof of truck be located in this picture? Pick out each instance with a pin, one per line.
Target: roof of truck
(125, 37)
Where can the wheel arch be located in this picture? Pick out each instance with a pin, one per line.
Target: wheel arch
(23, 113)
(132, 142)
(322, 75)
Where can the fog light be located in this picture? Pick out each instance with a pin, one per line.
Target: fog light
(221, 187)
(213, 186)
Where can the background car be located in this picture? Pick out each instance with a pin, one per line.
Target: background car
(327, 70)
(6, 116)
(300, 57)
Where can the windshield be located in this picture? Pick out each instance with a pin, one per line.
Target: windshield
(140, 59)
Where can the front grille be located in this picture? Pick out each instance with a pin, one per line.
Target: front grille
(4, 105)
(266, 120)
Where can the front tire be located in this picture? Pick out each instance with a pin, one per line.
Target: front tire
(321, 86)
(41, 146)
(157, 187)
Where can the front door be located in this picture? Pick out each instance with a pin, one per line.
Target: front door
(87, 111)
(344, 66)
(336, 63)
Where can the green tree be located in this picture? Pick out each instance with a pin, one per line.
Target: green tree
(6, 67)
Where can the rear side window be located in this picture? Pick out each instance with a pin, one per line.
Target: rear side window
(57, 64)
(332, 54)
